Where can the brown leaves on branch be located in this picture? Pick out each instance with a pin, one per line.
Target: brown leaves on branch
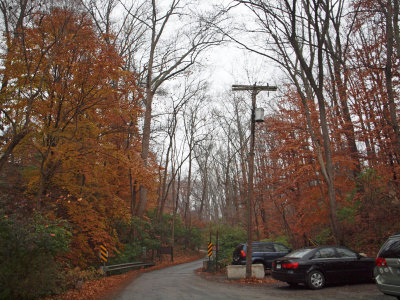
(66, 90)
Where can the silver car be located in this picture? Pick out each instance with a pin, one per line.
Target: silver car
(387, 267)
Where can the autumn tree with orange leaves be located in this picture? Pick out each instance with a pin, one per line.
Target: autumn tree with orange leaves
(329, 150)
(327, 164)
(72, 150)
(81, 109)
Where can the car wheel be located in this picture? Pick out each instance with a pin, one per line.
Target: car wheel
(315, 280)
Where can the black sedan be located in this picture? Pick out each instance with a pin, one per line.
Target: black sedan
(318, 266)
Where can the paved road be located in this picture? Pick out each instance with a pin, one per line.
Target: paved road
(181, 282)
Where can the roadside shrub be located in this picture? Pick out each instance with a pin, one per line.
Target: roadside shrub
(282, 239)
(228, 238)
(139, 234)
(179, 231)
(324, 237)
(364, 227)
(73, 278)
(193, 238)
(162, 229)
(28, 265)
(151, 233)
(131, 252)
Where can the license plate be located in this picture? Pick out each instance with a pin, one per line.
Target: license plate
(278, 266)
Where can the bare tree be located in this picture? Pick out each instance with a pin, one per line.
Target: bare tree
(222, 162)
(161, 40)
(296, 34)
(203, 155)
(196, 132)
(179, 101)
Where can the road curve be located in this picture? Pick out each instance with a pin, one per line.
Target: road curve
(180, 282)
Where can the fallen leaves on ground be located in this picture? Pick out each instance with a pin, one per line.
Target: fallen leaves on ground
(256, 281)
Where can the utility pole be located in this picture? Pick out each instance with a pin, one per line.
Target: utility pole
(255, 89)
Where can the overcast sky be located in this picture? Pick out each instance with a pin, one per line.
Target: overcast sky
(228, 64)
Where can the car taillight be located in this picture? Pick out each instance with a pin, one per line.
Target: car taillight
(242, 253)
(290, 266)
(273, 264)
(380, 262)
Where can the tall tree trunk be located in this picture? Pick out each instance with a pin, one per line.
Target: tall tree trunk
(187, 200)
(145, 150)
(389, 74)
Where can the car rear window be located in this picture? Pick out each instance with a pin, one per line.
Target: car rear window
(263, 247)
(299, 253)
(280, 248)
(325, 253)
(346, 253)
(391, 249)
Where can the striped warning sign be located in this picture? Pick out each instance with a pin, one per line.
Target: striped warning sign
(103, 253)
(210, 249)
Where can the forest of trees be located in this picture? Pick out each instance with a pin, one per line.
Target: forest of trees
(110, 133)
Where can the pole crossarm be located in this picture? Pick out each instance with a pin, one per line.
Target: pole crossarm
(241, 87)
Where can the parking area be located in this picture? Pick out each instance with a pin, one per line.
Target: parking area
(355, 291)
(272, 289)
(183, 282)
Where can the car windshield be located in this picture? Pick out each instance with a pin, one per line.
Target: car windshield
(299, 253)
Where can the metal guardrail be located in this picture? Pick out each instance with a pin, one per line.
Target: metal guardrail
(108, 269)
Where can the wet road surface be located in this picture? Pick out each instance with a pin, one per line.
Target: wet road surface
(181, 282)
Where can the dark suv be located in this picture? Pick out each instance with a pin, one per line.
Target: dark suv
(263, 253)
(387, 269)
